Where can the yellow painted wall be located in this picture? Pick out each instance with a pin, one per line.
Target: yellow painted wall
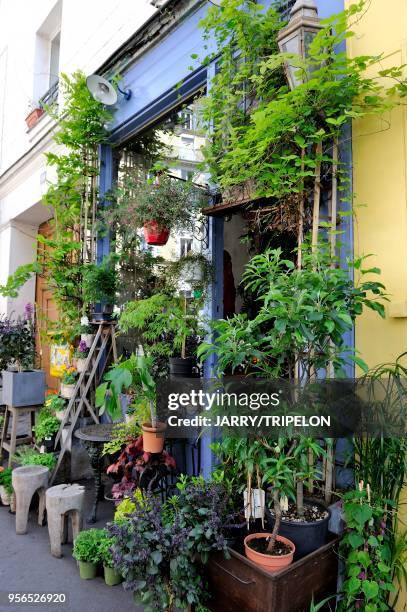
(380, 185)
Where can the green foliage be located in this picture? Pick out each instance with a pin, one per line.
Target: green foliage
(25, 455)
(265, 134)
(47, 425)
(173, 203)
(55, 403)
(17, 342)
(105, 544)
(81, 130)
(302, 318)
(6, 480)
(99, 282)
(164, 320)
(123, 433)
(86, 546)
(366, 552)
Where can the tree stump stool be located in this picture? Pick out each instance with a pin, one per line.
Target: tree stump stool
(61, 501)
(26, 481)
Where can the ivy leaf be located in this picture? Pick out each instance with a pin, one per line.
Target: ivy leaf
(370, 589)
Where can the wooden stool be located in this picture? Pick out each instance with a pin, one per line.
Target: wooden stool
(10, 444)
(61, 501)
(26, 480)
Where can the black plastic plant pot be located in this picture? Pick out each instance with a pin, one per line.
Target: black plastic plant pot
(307, 537)
(182, 368)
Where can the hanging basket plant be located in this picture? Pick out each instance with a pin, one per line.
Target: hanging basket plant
(164, 205)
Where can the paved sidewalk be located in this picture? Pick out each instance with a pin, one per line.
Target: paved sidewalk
(26, 566)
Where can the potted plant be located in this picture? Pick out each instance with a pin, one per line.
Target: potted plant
(22, 384)
(163, 205)
(112, 576)
(167, 323)
(99, 288)
(153, 430)
(56, 405)
(138, 468)
(35, 113)
(6, 488)
(80, 354)
(86, 331)
(26, 455)
(87, 552)
(46, 427)
(68, 382)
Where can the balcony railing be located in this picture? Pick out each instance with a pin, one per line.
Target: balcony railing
(50, 96)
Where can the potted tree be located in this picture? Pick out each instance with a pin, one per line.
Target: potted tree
(68, 382)
(165, 204)
(22, 384)
(86, 550)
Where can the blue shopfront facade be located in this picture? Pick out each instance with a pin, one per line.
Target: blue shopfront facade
(156, 65)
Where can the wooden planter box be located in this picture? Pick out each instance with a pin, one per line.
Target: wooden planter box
(239, 584)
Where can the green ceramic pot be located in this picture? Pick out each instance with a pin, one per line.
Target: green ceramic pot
(87, 571)
(112, 577)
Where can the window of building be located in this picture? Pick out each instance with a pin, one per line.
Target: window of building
(185, 246)
(47, 55)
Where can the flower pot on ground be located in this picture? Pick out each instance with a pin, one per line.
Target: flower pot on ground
(256, 545)
(86, 552)
(111, 574)
(4, 496)
(308, 534)
(238, 583)
(154, 234)
(112, 577)
(23, 388)
(33, 117)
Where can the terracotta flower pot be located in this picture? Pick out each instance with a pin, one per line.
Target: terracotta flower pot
(33, 117)
(153, 437)
(80, 364)
(155, 234)
(269, 563)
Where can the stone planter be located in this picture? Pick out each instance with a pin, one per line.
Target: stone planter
(88, 338)
(80, 364)
(24, 388)
(4, 496)
(67, 391)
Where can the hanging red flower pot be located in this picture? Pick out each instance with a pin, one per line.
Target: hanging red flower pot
(155, 234)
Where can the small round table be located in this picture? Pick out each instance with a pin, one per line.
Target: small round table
(94, 437)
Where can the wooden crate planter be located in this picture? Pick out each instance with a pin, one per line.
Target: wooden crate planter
(239, 584)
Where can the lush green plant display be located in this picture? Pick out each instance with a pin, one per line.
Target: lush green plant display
(270, 136)
(302, 318)
(155, 548)
(366, 550)
(6, 479)
(86, 546)
(105, 546)
(26, 455)
(47, 424)
(165, 321)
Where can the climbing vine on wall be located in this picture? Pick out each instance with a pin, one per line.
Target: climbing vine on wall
(73, 198)
(284, 142)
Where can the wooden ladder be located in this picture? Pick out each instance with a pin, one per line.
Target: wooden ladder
(103, 345)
